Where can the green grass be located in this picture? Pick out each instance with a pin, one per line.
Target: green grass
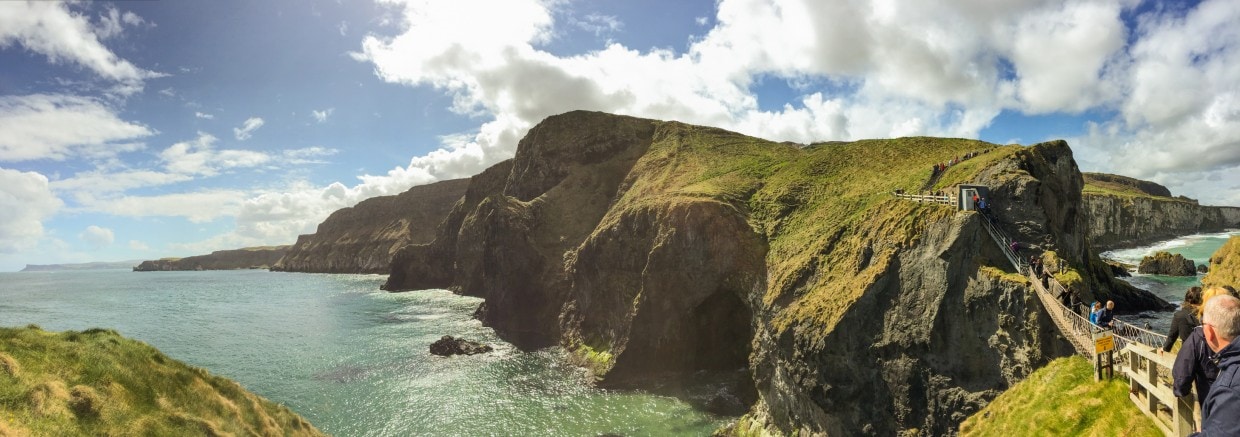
(96, 382)
(1062, 399)
(1225, 265)
(826, 210)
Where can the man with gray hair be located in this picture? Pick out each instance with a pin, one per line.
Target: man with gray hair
(1220, 415)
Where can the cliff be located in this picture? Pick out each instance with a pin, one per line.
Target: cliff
(1225, 266)
(80, 266)
(247, 258)
(1125, 212)
(362, 238)
(658, 248)
(96, 382)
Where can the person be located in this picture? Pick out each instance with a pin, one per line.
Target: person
(1194, 366)
(975, 200)
(1095, 312)
(1220, 413)
(1185, 319)
(1106, 318)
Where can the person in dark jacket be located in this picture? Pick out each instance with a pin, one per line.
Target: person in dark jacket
(1184, 320)
(1195, 366)
(1107, 316)
(1220, 416)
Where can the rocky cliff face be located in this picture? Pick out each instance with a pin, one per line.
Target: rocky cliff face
(658, 248)
(363, 238)
(1119, 218)
(248, 258)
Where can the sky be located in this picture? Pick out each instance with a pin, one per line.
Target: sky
(146, 129)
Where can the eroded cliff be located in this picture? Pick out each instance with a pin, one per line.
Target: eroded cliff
(247, 258)
(1125, 212)
(659, 248)
(363, 238)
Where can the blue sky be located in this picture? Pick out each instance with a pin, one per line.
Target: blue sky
(137, 130)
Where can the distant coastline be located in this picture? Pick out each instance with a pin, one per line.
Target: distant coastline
(81, 266)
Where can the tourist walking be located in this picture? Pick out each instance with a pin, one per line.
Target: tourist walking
(1095, 312)
(1185, 319)
(1106, 318)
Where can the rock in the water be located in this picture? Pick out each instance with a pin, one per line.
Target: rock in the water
(448, 346)
(1203, 269)
(1164, 263)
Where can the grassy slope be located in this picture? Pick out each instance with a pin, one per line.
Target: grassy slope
(819, 207)
(1095, 186)
(1225, 265)
(96, 382)
(1062, 399)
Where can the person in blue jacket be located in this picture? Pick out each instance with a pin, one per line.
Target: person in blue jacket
(1221, 324)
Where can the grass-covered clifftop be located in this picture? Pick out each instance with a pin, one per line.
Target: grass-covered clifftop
(1116, 185)
(1062, 399)
(258, 257)
(1225, 265)
(96, 382)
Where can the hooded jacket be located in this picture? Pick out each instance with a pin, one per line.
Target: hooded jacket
(1221, 414)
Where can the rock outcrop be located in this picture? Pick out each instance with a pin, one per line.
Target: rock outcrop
(659, 248)
(247, 258)
(1145, 213)
(448, 346)
(1164, 263)
(363, 238)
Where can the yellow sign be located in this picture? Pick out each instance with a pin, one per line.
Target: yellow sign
(1104, 343)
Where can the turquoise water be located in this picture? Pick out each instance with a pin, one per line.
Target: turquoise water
(350, 358)
(1197, 247)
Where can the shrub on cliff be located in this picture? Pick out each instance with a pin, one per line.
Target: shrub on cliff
(1062, 399)
(96, 382)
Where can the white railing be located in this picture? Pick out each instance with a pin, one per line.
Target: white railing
(946, 200)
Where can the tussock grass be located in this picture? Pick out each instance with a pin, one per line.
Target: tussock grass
(1225, 265)
(1062, 399)
(96, 382)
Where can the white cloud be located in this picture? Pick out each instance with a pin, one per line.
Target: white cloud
(892, 68)
(57, 127)
(53, 30)
(343, 27)
(307, 155)
(321, 116)
(199, 157)
(25, 202)
(139, 246)
(247, 129)
(598, 24)
(198, 207)
(113, 22)
(204, 115)
(97, 237)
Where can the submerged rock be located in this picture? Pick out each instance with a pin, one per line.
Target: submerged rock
(448, 346)
(1164, 263)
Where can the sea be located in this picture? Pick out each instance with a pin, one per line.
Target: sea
(350, 358)
(1197, 247)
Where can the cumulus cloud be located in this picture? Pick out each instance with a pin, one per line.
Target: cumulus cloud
(113, 22)
(62, 35)
(321, 116)
(204, 115)
(199, 157)
(97, 237)
(57, 127)
(247, 129)
(942, 67)
(25, 202)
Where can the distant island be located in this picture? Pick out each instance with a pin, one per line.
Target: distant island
(80, 266)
